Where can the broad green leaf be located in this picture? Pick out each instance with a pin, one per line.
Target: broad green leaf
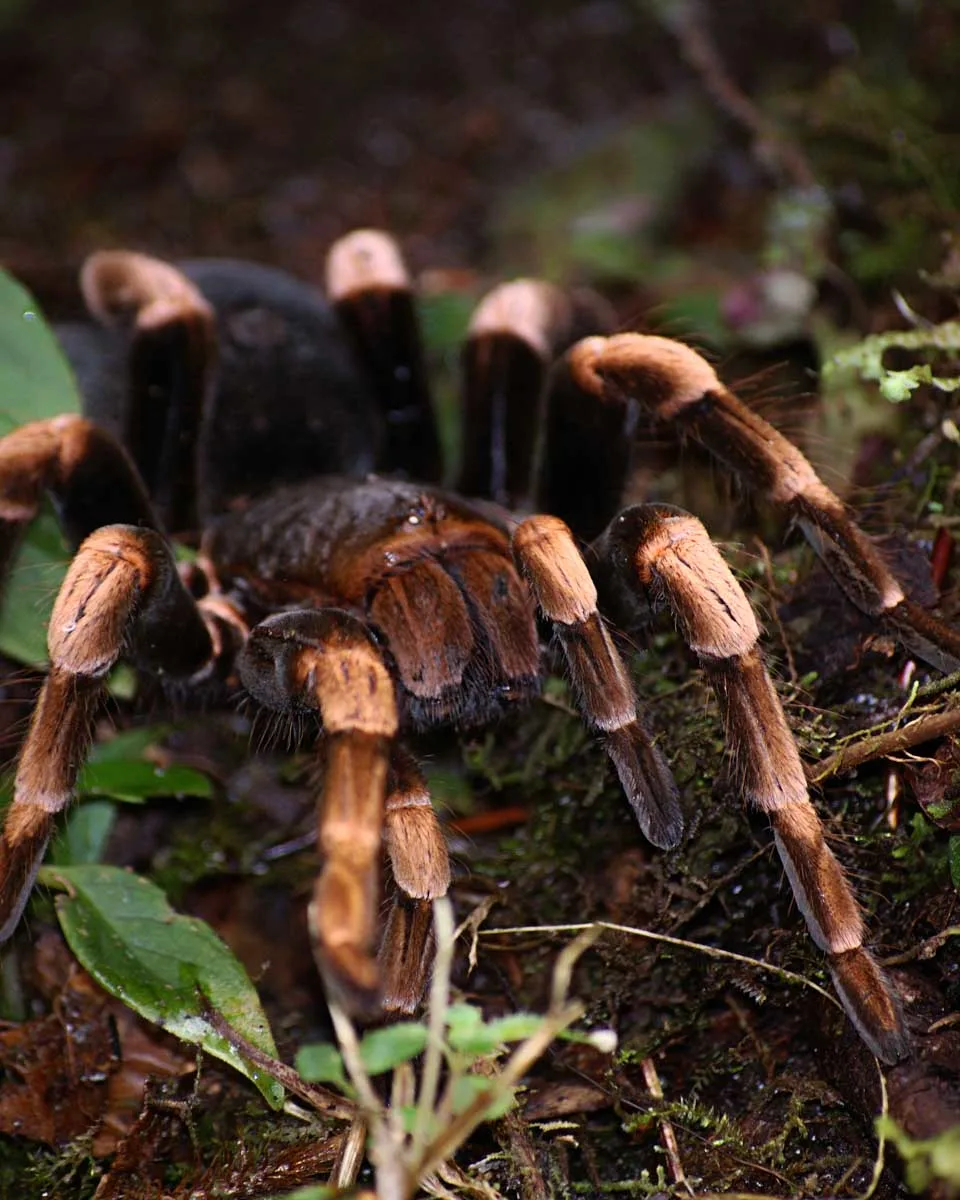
(35, 382)
(85, 834)
(35, 578)
(384, 1049)
(35, 378)
(320, 1062)
(167, 967)
(136, 781)
(131, 743)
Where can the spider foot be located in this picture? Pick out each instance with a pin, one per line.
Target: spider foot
(549, 560)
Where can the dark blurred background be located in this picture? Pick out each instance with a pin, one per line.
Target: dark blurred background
(483, 132)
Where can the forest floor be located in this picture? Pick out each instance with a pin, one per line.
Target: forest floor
(776, 207)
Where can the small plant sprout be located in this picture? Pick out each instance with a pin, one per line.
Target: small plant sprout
(462, 1081)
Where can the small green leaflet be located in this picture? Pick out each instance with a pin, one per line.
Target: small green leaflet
(167, 967)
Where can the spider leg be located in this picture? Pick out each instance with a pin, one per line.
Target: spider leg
(550, 562)
(674, 383)
(172, 360)
(516, 332)
(122, 595)
(88, 474)
(669, 553)
(587, 438)
(420, 865)
(326, 661)
(369, 286)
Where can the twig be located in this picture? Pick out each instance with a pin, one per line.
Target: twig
(925, 949)
(654, 1087)
(687, 21)
(650, 936)
(319, 1098)
(923, 729)
(350, 1159)
(439, 1002)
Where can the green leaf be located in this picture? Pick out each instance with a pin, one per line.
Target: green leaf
(35, 378)
(131, 743)
(515, 1028)
(468, 1088)
(468, 1034)
(35, 382)
(84, 835)
(35, 578)
(320, 1062)
(316, 1191)
(953, 856)
(169, 968)
(384, 1049)
(136, 781)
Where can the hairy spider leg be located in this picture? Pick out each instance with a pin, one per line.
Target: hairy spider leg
(674, 383)
(369, 286)
(549, 560)
(122, 595)
(669, 553)
(420, 864)
(172, 365)
(517, 331)
(327, 662)
(589, 439)
(85, 470)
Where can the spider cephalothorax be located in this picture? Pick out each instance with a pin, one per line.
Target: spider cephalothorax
(381, 605)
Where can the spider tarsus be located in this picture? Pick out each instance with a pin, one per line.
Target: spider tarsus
(648, 784)
(22, 847)
(406, 955)
(871, 1003)
(558, 577)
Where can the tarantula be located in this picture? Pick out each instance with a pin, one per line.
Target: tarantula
(374, 605)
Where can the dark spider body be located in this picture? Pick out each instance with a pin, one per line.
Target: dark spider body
(432, 574)
(227, 409)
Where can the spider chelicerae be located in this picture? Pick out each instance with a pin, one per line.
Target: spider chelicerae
(372, 606)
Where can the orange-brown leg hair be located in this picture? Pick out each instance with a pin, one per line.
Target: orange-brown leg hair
(327, 662)
(669, 553)
(88, 473)
(172, 362)
(121, 595)
(550, 562)
(675, 384)
(420, 864)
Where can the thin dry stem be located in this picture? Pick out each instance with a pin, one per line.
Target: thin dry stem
(926, 728)
(651, 936)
